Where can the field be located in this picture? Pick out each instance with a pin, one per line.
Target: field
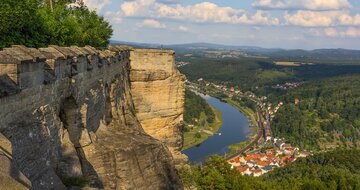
(287, 63)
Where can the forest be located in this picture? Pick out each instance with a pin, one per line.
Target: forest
(258, 75)
(38, 23)
(327, 116)
(335, 170)
(194, 106)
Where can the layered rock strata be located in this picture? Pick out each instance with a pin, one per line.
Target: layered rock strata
(69, 116)
(158, 92)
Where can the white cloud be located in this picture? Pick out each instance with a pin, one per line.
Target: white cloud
(96, 4)
(132, 8)
(315, 32)
(311, 18)
(322, 18)
(152, 24)
(331, 32)
(183, 29)
(303, 4)
(353, 32)
(115, 18)
(204, 12)
(211, 13)
(350, 32)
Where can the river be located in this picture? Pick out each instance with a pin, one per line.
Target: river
(235, 129)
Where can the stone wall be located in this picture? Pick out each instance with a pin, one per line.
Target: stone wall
(70, 115)
(158, 92)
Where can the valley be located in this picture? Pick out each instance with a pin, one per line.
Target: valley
(294, 116)
(179, 95)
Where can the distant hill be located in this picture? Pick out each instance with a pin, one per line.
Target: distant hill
(274, 53)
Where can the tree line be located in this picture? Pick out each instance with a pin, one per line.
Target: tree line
(38, 23)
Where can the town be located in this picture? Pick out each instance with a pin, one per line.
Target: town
(264, 152)
(181, 63)
(264, 158)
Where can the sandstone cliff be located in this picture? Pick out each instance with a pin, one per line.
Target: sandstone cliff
(158, 92)
(68, 115)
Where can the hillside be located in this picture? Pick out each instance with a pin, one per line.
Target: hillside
(249, 73)
(321, 56)
(327, 116)
(336, 170)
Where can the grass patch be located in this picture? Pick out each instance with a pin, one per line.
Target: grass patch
(238, 146)
(191, 137)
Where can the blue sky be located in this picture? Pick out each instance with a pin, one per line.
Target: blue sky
(305, 24)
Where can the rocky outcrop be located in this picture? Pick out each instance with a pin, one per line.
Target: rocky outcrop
(158, 92)
(69, 116)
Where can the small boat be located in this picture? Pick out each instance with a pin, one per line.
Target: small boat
(219, 134)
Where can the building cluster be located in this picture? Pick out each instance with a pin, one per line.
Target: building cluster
(224, 54)
(271, 109)
(229, 54)
(288, 85)
(259, 161)
(181, 63)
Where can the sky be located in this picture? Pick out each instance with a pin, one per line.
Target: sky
(289, 24)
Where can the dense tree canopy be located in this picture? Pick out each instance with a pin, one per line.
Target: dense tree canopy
(328, 113)
(34, 23)
(194, 106)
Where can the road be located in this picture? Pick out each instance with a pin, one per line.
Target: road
(261, 127)
(254, 141)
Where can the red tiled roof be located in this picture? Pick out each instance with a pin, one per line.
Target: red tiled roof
(271, 156)
(256, 171)
(253, 157)
(283, 159)
(243, 168)
(262, 163)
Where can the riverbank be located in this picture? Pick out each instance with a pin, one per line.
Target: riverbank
(190, 138)
(251, 116)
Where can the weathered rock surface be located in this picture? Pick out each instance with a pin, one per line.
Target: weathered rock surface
(69, 114)
(158, 92)
(10, 176)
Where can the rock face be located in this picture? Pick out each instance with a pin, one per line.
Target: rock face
(69, 116)
(10, 176)
(158, 92)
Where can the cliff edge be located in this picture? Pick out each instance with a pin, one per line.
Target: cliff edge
(68, 120)
(158, 93)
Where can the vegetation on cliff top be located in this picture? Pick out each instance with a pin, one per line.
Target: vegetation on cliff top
(36, 23)
(331, 170)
